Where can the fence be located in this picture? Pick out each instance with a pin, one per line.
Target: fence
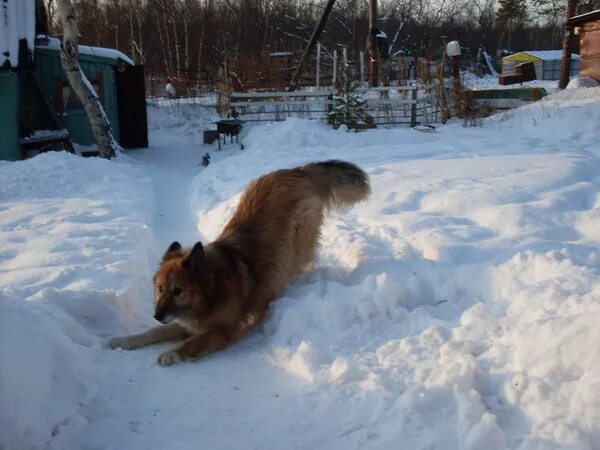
(387, 105)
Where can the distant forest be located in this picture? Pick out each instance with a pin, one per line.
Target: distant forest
(193, 39)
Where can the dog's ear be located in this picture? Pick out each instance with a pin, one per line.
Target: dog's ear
(195, 259)
(173, 250)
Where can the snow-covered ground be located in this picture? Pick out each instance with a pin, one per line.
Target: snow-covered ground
(474, 82)
(456, 309)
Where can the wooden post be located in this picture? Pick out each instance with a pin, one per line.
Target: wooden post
(318, 71)
(455, 61)
(373, 58)
(440, 76)
(565, 66)
(334, 75)
(345, 64)
(362, 68)
(413, 108)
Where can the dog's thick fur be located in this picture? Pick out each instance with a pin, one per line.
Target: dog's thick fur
(211, 296)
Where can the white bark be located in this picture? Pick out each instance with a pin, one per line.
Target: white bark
(318, 70)
(334, 75)
(186, 40)
(69, 51)
(177, 49)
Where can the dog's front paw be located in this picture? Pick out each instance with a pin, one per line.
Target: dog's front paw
(124, 342)
(169, 358)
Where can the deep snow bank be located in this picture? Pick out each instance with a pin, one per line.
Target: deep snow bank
(74, 250)
(569, 117)
(462, 296)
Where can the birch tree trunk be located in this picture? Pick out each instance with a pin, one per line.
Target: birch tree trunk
(141, 39)
(186, 40)
(69, 51)
(200, 49)
(177, 49)
(168, 47)
(163, 48)
(131, 35)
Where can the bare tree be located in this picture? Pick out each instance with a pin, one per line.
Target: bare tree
(194, 36)
(69, 53)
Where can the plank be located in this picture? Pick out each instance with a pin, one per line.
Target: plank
(279, 94)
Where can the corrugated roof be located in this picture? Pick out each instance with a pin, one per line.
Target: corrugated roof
(17, 21)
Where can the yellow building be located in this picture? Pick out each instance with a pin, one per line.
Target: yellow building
(546, 63)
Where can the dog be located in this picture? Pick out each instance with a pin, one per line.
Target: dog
(210, 296)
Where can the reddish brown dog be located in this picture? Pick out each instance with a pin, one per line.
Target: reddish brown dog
(209, 296)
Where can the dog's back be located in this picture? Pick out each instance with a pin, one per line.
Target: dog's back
(279, 217)
(212, 296)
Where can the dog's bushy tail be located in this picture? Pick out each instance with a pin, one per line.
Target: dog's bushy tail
(339, 183)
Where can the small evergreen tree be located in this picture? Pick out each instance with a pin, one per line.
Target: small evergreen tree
(348, 107)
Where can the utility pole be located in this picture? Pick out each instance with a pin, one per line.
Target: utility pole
(311, 44)
(374, 56)
(565, 66)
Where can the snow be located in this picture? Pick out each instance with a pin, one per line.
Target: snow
(40, 135)
(549, 55)
(490, 64)
(456, 309)
(582, 82)
(73, 258)
(17, 21)
(475, 82)
(280, 54)
(101, 52)
(169, 89)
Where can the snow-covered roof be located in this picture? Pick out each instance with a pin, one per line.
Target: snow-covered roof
(549, 55)
(109, 53)
(17, 21)
(582, 18)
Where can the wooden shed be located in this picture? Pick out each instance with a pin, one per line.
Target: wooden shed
(587, 27)
(546, 63)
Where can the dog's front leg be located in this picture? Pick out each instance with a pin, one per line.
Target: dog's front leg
(168, 332)
(212, 340)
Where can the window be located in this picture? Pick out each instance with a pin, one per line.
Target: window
(66, 98)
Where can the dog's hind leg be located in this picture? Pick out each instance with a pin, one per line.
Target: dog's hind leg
(307, 232)
(169, 332)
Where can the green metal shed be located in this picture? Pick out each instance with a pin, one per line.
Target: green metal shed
(10, 103)
(99, 66)
(41, 111)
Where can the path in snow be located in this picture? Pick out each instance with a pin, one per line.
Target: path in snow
(216, 403)
(389, 337)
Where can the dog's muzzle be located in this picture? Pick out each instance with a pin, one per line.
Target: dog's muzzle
(164, 315)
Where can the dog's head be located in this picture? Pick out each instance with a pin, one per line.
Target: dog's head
(179, 285)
